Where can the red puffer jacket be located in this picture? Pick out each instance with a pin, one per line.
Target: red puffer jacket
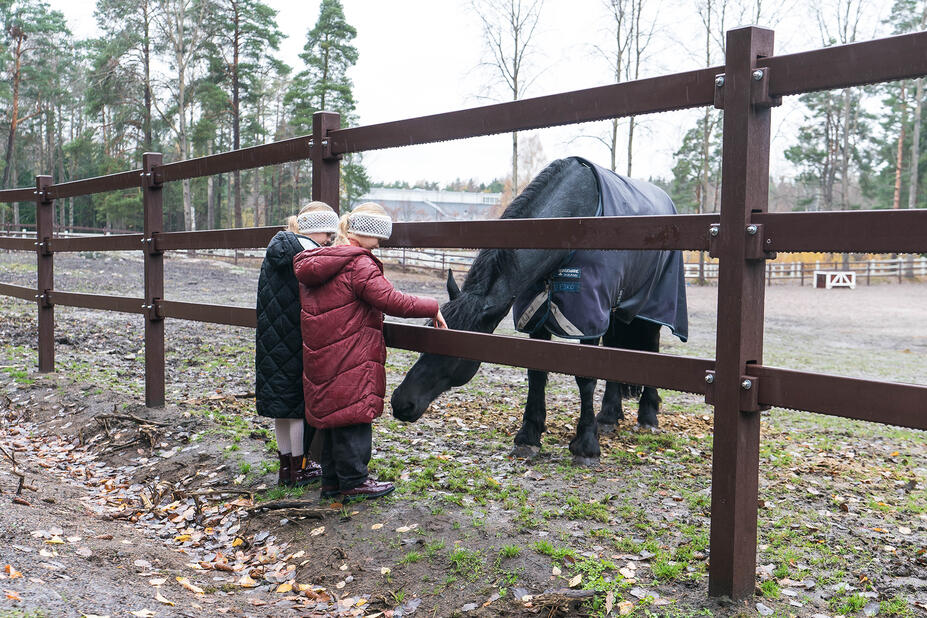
(344, 295)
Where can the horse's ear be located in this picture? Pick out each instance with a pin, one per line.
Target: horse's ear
(452, 290)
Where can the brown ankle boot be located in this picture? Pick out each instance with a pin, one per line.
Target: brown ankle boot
(284, 472)
(304, 471)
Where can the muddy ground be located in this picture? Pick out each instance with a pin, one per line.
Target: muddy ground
(131, 511)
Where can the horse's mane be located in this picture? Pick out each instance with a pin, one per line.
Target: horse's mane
(490, 263)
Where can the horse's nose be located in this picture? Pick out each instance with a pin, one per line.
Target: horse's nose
(402, 408)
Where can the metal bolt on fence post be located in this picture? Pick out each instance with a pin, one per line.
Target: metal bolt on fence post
(714, 231)
(710, 378)
(719, 81)
(758, 75)
(752, 230)
(746, 385)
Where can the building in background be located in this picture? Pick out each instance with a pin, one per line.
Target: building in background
(423, 205)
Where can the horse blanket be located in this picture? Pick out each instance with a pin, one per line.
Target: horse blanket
(576, 301)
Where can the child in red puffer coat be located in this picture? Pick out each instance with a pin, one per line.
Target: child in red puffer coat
(344, 295)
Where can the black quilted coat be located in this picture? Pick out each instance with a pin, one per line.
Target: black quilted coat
(279, 344)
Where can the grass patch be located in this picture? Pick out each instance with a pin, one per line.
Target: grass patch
(466, 563)
(595, 511)
(411, 557)
(509, 551)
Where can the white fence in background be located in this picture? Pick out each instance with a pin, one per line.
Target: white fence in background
(459, 261)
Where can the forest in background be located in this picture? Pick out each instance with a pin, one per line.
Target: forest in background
(190, 78)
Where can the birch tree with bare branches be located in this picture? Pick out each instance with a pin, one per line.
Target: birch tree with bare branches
(508, 30)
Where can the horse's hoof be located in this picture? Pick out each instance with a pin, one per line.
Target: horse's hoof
(525, 451)
(588, 462)
(606, 427)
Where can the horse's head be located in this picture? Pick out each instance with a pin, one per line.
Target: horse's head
(432, 374)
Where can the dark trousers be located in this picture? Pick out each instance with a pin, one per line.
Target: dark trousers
(345, 454)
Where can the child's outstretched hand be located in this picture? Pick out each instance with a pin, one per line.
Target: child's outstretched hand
(439, 321)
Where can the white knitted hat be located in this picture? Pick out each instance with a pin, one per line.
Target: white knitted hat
(367, 224)
(317, 221)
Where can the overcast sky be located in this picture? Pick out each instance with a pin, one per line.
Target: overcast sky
(419, 57)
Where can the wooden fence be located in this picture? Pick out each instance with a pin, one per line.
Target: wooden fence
(743, 236)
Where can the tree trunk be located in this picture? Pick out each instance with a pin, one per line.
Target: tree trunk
(260, 216)
(899, 161)
(236, 115)
(613, 150)
(14, 121)
(514, 164)
(147, 62)
(210, 193)
(631, 124)
(916, 142)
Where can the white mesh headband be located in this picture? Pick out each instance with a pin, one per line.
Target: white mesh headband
(366, 224)
(318, 221)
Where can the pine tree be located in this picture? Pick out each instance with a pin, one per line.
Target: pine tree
(324, 85)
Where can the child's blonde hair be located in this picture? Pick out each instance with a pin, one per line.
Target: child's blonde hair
(370, 208)
(291, 222)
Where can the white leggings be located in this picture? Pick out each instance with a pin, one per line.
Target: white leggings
(289, 435)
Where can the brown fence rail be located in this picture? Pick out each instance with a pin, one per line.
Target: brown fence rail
(742, 237)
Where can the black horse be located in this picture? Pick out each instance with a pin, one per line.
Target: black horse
(566, 188)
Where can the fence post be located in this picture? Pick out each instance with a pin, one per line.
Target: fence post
(154, 280)
(326, 167)
(741, 298)
(45, 275)
(326, 187)
(868, 271)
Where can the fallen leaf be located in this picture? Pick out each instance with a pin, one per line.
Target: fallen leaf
(183, 581)
(157, 581)
(238, 541)
(625, 608)
(12, 595)
(384, 570)
(576, 580)
(287, 587)
(12, 572)
(247, 582)
(143, 613)
(55, 540)
(556, 571)
(609, 601)
(317, 531)
(340, 585)
(142, 564)
(376, 526)
(160, 598)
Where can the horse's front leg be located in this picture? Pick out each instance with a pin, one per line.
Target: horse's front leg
(649, 404)
(528, 438)
(611, 412)
(585, 445)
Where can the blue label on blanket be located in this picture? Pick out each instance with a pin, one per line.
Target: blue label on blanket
(564, 286)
